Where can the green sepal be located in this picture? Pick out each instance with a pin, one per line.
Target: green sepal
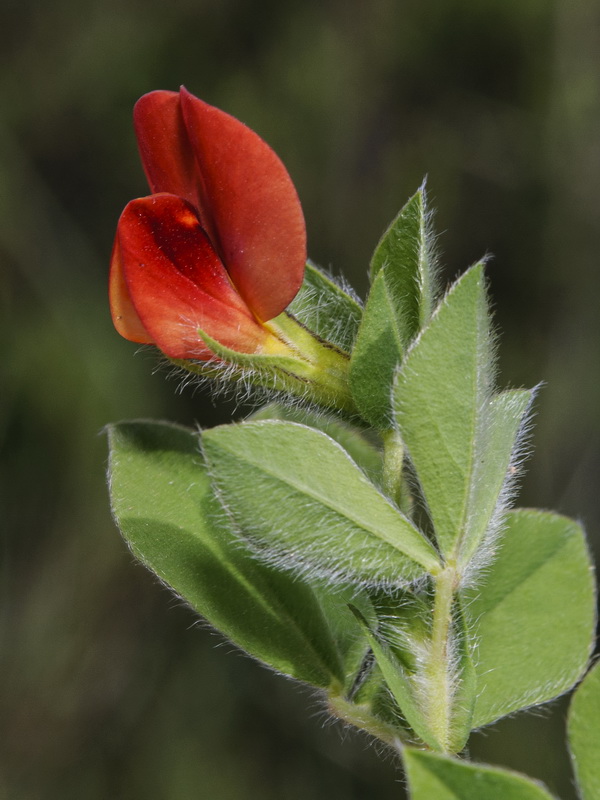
(436, 777)
(163, 502)
(405, 252)
(532, 614)
(376, 355)
(301, 500)
(314, 370)
(584, 735)
(326, 309)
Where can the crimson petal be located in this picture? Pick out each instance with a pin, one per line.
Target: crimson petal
(177, 283)
(165, 150)
(255, 208)
(244, 196)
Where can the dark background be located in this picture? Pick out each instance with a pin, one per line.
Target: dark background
(109, 688)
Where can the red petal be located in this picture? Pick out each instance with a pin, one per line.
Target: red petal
(177, 282)
(259, 228)
(164, 146)
(124, 315)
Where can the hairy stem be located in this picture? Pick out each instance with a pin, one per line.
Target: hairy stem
(361, 717)
(439, 672)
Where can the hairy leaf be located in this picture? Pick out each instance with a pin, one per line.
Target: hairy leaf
(435, 777)
(301, 500)
(376, 355)
(401, 684)
(405, 253)
(327, 309)
(584, 735)
(163, 502)
(355, 441)
(459, 437)
(533, 615)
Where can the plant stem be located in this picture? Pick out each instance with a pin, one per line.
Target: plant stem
(360, 717)
(439, 672)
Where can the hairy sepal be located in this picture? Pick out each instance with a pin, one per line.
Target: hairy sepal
(317, 373)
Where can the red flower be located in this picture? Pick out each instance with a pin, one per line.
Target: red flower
(219, 245)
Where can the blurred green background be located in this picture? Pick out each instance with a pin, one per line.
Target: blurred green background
(109, 687)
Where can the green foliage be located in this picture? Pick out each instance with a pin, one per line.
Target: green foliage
(294, 492)
(163, 502)
(584, 734)
(466, 688)
(432, 776)
(360, 105)
(457, 438)
(398, 307)
(377, 353)
(532, 615)
(405, 253)
(501, 427)
(401, 684)
(355, 441)
(368, 549)
(327, 309)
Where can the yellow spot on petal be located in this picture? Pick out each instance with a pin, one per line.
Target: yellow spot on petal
(187, 218)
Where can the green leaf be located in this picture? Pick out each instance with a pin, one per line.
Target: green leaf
(499, 440)
(584, 735)
(533, 615)
(355, 441)
(400, 683)
(405, 252)
(325, 308)
(444, 414)
(399, 305)
(302, 501)
(347, 633)
(376, 355)
(367, 456)
(435, 777)
(163, 502)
